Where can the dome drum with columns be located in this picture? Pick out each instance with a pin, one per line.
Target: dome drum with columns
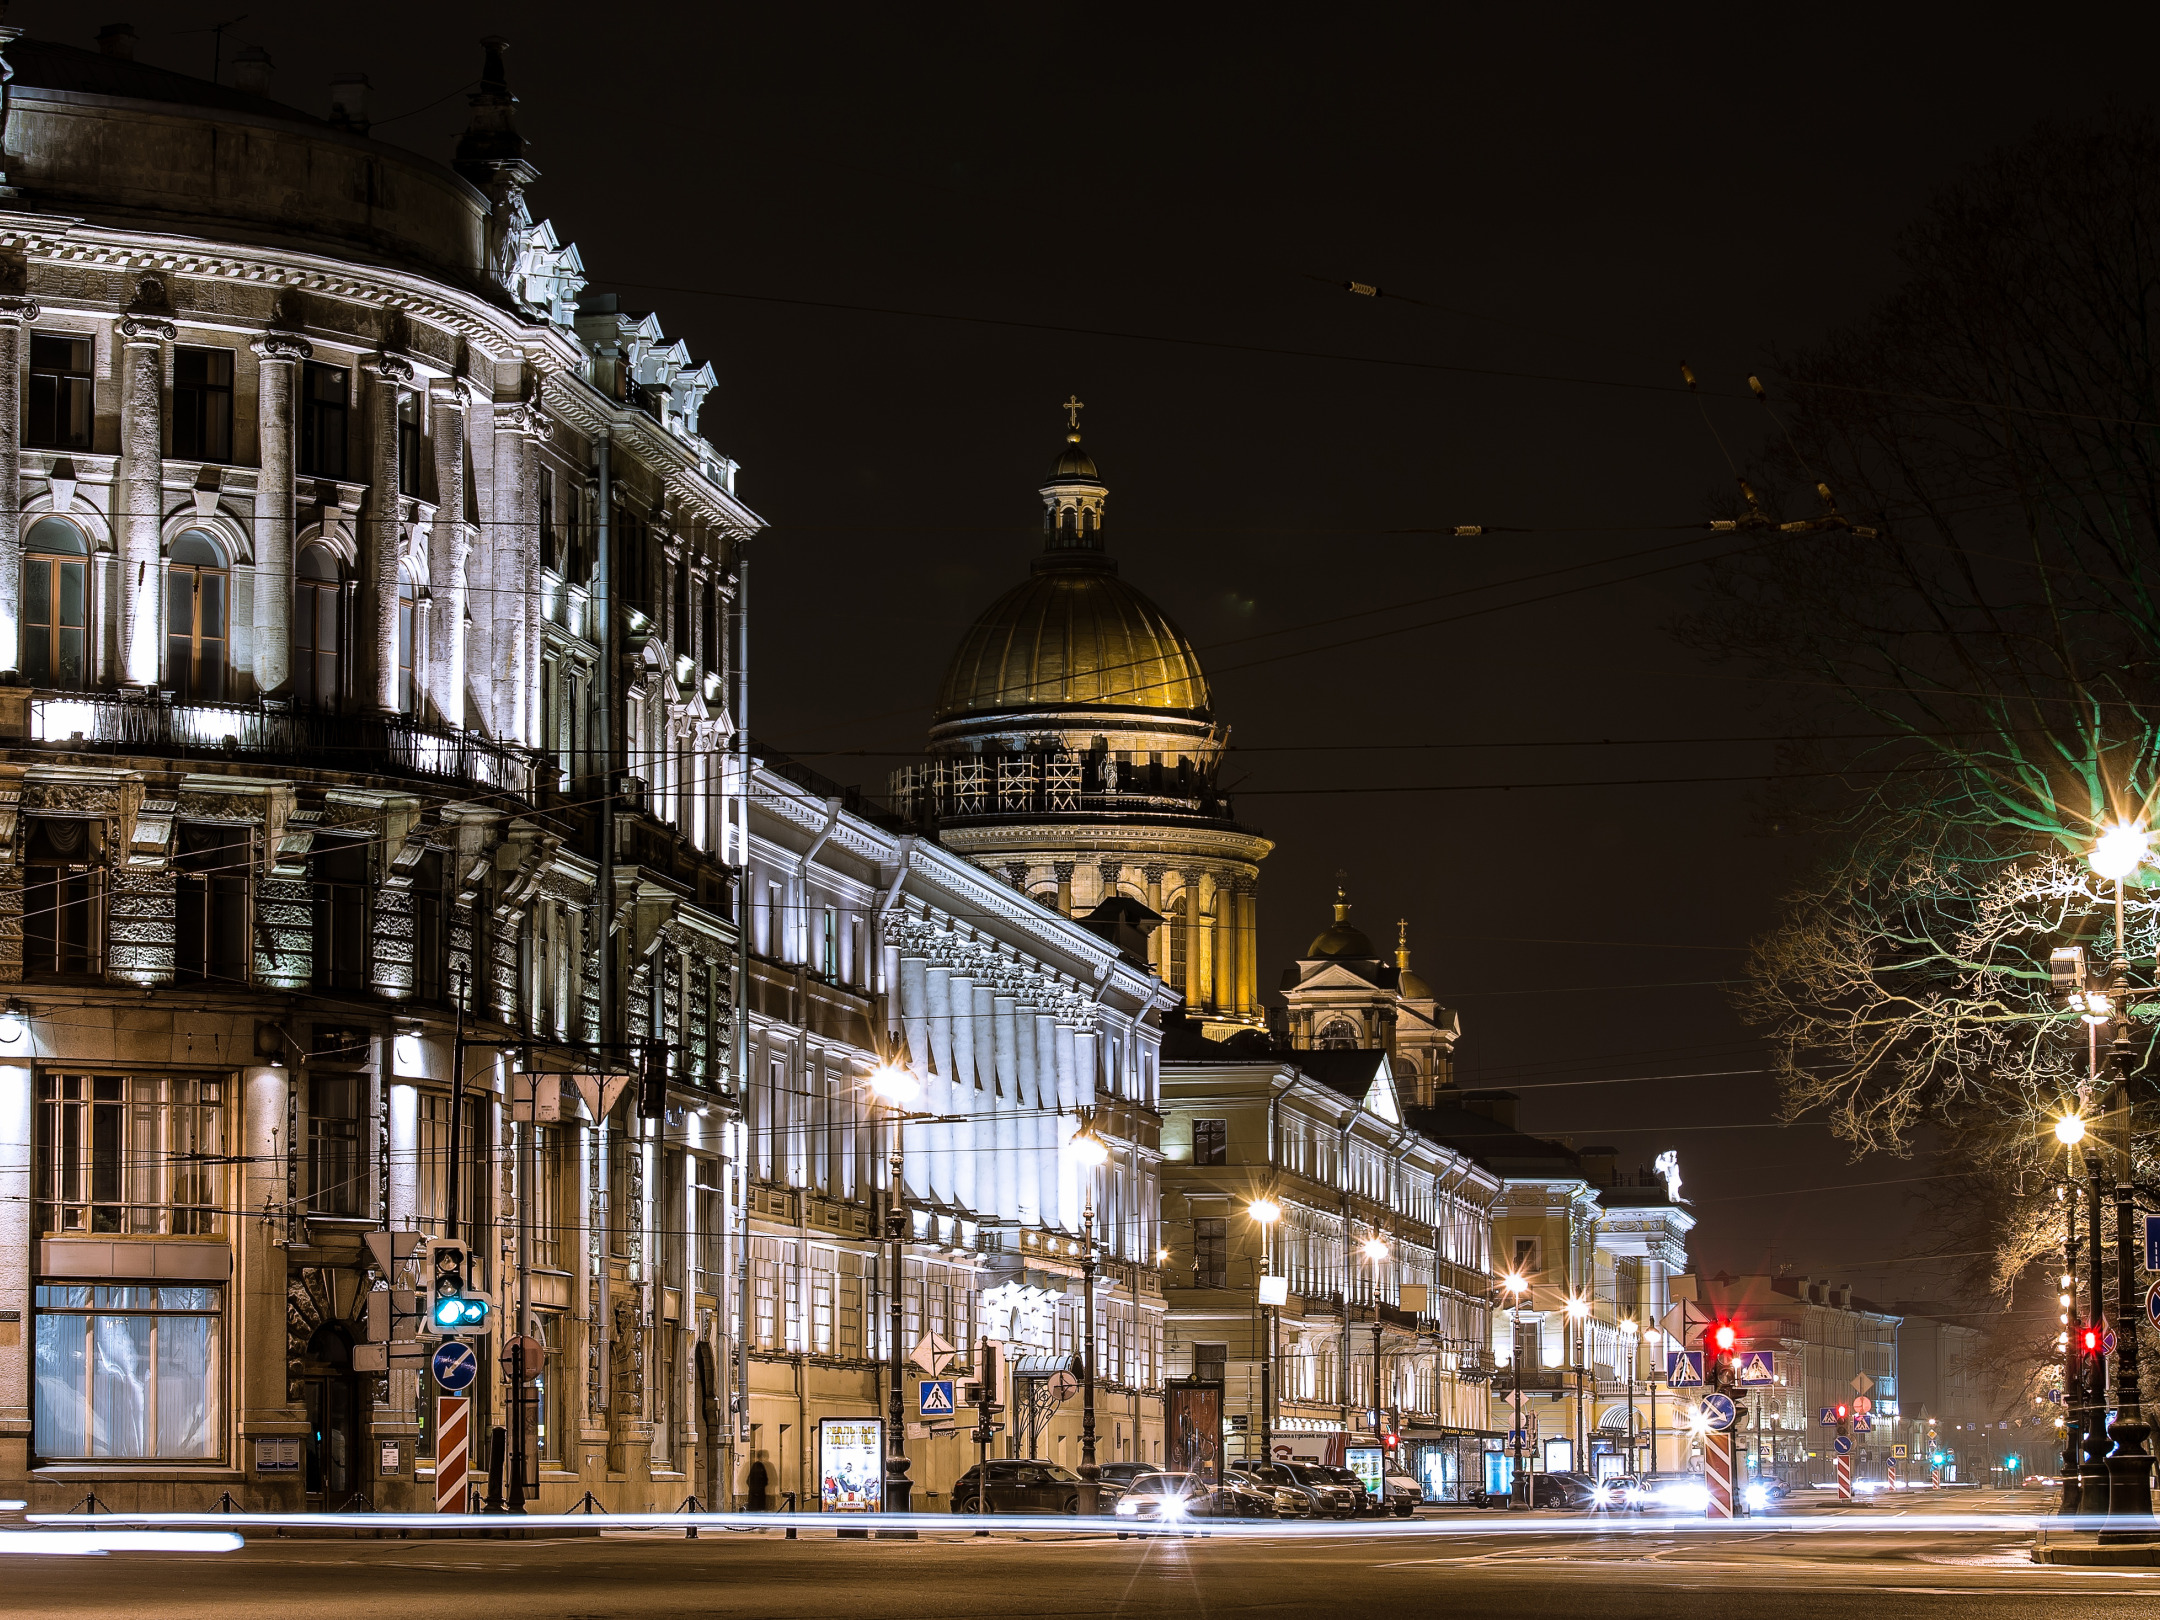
(1075, 752)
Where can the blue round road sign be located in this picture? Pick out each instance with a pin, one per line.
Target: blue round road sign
(1717, 1411)
(2152, 1303)
(454, 1365)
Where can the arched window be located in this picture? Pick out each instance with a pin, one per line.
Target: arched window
(1340, 1035)
(1174, 908)
(318, 628)
(55, 605)
(195, 597)
(408, 594)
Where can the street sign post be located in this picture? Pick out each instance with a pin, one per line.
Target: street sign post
(934, 1397)
(1900, 1452)
(1757, 1367)
(2152, 1243)
(2152, 1303)
(1718, 1412)
(453, 1442)
(1842, 1445)
(1684, 1368)
(1829, 1417)
(1862, 1423)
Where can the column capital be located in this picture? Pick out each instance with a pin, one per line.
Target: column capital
(147, 329)
(453, 393)
(18, 310)
(395, 369)
(523, 416)
(282, 346)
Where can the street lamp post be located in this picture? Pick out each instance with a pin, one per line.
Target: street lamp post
(1578, 1309)
(1092, 1153)
(2070, 1130)
(1376, 1250)
(1265, 1212)
(1633, 1334)
(893, 1082)
(1519, 1483)
(2120, 852)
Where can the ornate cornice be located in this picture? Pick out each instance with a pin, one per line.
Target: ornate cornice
(147, 329)
(282, 346)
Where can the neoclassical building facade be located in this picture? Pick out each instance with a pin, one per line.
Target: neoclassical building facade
(369, 612)
(1076, 752)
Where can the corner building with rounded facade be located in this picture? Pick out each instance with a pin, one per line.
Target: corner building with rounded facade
(367, 613)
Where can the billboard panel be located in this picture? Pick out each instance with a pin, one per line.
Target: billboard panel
(1193, 1423)
(851, 1465)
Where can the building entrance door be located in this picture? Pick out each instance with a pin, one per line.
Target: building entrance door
(334, 1480)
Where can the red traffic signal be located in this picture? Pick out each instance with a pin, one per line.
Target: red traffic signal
(1843, 1411)
(1724, 1337)
(2089, 1340)
(1388, 1442)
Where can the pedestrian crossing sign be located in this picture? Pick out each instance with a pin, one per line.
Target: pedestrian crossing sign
(936, 1397)
(1898, 1452)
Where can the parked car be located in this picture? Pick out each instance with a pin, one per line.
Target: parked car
(1560, 1491)
(1166, 1498)
(1402, 1495)
(1122, 1474)
(1331, 1498)
(1363, 1502)
(1025, 1485)
(1292, 1499)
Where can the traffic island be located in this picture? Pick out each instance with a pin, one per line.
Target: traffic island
(2099, 1549)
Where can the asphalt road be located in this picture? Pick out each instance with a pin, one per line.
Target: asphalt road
(1409, 1571)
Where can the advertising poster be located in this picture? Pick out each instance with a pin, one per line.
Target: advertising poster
(1193, 1427)
(851, 1465)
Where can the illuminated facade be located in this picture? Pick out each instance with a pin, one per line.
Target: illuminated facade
(1343, 995)
(1076, 753)
(368, 604)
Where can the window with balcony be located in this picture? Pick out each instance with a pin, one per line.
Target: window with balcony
(408, 597)
(318, 628)
(55, 606)
(56, 416)
(64, 897)
(339, 872)
(325, 392)
(196, 594)
(202, 404)
(212, 937)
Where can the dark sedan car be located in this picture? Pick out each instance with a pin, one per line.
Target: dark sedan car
(1122, 1474)
(1024, 1485)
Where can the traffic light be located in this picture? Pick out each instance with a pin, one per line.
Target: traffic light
(454, 1302)
(1388, 1443)
(1724, 1337)
(2088, 1341)
(1843, 1412)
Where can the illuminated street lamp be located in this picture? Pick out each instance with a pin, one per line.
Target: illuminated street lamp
(2121, 851)
(897, 1086)
(1578, 1310)
(2070, 1130)
(1519, 1485)
(1376, 1250)
(1265, 1212)
(1091, 1153)
(1631, 1331)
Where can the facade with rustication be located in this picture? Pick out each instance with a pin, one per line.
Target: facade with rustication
(357, 575)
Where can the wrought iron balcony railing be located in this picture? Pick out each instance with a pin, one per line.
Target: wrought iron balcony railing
(393, 745)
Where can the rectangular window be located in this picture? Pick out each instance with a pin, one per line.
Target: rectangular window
(408, 444)
(1211, 1251)
(339, 868)
(57, 414)
(829, 944)
(550, 1242)
(431, 924)
(324, 394)
(64, 897)
(337, 1168)
(551, 1390)
(129, 1154)
(682, 607)
(202, 404)
(213, 937)
(435, 1151)
(129, 1371)
(1210, 1141)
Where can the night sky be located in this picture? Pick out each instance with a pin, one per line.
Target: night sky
(1156, 206)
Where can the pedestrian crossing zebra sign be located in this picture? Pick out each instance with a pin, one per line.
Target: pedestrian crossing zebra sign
(935, 1397)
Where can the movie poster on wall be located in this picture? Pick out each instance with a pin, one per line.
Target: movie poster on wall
(851, 1465)
(1194, 1426)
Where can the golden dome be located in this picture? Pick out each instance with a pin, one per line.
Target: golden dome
(1340, 938)
(1073, 634)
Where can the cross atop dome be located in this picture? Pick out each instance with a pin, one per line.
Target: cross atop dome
(1073, 407)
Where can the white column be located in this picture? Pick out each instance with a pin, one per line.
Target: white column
(512, 541)
(914, 1018)
(16, 312)
(277, 358)
(378, 600)
(1027, 1172)
(1002, 1088)
(965, 1182)
(142, 469)
(1050, 1186)
(447, 543)
(938, 1095)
